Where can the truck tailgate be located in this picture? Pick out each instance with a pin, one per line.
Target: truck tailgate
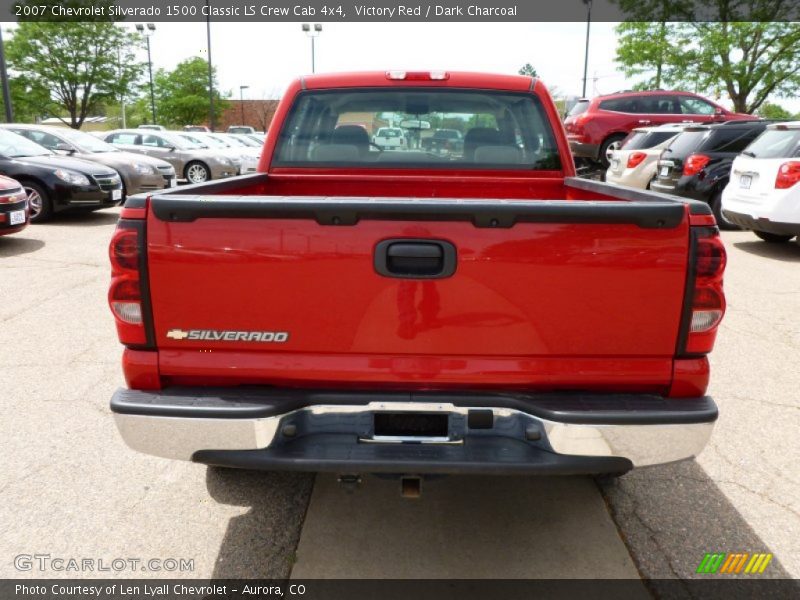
(544, 293)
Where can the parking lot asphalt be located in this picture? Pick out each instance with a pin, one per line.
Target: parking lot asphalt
(70, 487)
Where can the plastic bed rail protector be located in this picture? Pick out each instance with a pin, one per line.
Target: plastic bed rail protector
(482, 213)
(696, 207)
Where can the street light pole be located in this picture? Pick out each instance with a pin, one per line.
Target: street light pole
(122, 96)
(242, 88)
(4, 77)
(151, 29)
(588, 4)
(210, 68)
(312, 33)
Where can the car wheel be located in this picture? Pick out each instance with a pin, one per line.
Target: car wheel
(722, 221)
(773, 238)
(197, 172)
(39, 203)
(611, 143)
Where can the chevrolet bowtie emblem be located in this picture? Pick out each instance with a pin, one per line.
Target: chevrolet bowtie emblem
(177, 334)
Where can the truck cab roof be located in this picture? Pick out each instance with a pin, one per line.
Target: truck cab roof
(458, 79)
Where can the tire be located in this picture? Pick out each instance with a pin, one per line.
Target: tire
(39, 202)
(716, 208)
(773, 238)
(197, 172)
(612, 142)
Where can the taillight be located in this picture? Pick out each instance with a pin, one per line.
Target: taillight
(705, 300)
(126, 297)
(635, 159)
(695, 163)
(788, 175)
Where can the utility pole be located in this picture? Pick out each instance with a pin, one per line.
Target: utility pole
(210, 69)
(588, 4)
(242, 88)
(151, 29)
(122, 96)
(4, 77)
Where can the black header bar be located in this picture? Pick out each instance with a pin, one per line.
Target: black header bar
(398, 10)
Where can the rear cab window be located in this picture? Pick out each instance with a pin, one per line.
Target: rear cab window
(494, 129)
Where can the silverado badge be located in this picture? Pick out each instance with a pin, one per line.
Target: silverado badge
(214, 335)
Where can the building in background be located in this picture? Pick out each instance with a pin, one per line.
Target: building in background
(257, 114)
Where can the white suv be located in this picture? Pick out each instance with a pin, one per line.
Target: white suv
(763, 194)
(634, 162)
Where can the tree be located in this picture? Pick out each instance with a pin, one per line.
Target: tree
(768, 110)
(643, 47)
(527, 69)
(137, 112)
(750, 60)
(182, 94)
(81, 64)
(29, 100)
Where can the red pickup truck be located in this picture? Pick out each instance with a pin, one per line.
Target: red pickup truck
(358, 311)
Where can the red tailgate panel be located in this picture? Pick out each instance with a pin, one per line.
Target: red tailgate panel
(536, 303)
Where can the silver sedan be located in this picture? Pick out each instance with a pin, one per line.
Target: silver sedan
(191, 161)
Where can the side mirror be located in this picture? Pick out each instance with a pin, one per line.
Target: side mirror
(63, 147)
(171, 148)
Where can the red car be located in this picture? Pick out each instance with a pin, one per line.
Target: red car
(352, 310)
(14, 212)
(596, 127)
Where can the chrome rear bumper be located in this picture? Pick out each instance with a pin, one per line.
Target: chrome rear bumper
(292, 431)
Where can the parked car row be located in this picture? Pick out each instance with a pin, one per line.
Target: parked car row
(597, 127)
(65, 169)
(747, 171)
(196, 156)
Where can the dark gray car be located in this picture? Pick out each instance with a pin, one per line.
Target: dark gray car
(139, 173)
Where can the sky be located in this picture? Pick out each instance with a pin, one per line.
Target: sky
(267, 56)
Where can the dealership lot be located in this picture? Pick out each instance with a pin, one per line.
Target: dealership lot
(72, 489)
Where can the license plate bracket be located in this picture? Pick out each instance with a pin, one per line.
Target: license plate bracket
(417, 425)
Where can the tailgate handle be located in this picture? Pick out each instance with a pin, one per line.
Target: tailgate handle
(415, 258)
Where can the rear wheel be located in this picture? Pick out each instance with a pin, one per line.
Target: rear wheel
(716, 208)
(197, 172)
(608, 147)
(39, 203)
(773, 238)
